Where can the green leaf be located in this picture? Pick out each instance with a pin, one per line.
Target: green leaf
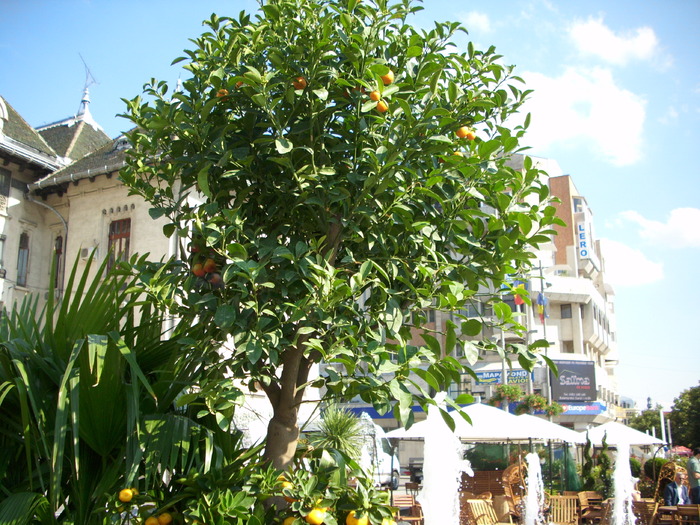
(283, 146)
(225, 316)
(203, 181)
(321, 93)
(432, 343)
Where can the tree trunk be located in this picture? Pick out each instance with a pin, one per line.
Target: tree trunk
(285, 397)
(282, 438)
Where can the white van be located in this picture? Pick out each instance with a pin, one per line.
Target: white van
(378, 456)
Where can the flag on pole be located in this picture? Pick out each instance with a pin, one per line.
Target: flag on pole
(518, 299)
(542, 307)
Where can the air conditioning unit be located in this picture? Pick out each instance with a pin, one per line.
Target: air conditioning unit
(85, 253)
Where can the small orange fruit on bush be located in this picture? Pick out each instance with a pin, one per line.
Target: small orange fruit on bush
(151, 520)
(352, 520)
(165, 519)
(462, 132)
(316, 516)
(289, 520)
(222, 93)
(382, 106)
(299, 83)
(388, 78)
(198, 270)
(125, 495)
(209, 266)
(375, 95)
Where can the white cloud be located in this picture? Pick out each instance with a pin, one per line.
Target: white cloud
(626, 266)
(679, 231)
(475, 21)
(593, 37)
(585, 108)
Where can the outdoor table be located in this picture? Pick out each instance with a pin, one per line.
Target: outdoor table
(665, 513)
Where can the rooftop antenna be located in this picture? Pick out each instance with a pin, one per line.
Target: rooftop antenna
(84, 110)
(89, 78)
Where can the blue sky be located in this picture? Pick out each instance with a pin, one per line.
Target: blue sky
(617, 105)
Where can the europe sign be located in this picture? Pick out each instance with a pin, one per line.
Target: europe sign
(576, 381)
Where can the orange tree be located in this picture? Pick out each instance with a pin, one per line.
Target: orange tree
(331, 216)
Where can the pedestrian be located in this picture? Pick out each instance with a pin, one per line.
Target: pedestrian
(693, 468)
(676, 493)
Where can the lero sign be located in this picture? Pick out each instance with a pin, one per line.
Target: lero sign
(582, 240)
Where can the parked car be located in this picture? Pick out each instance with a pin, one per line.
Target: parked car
(379, 456)
(414, 471)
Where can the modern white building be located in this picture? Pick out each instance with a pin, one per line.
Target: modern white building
(571, 307)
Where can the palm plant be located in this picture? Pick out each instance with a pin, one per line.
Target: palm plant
(89, 390)
(340, 430)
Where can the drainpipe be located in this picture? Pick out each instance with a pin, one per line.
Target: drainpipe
(65, 227)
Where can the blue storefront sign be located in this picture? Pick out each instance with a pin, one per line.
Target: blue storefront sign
(583, 409)
(515, 377)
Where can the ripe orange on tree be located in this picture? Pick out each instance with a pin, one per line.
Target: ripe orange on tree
(462, 132)
(198, 270)
(466, 133)
(375, 95)
(209, 266)
(165, 519)
(299, 83)
(151, 520)
(125, 495)
(388, 78)
(222, 93)
(352, 520)
(315, 516)
(382, 106)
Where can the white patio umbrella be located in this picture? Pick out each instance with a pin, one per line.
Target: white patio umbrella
(489, 424)
(619, 433)
(543, 429)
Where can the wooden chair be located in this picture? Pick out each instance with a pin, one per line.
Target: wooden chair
(478, 512)
(645, 511)
(563, 510)
(407, 508)
(666, 475)
(607, 518)
(412, 488)
(687, 514)
(513, 484)
(589, 511)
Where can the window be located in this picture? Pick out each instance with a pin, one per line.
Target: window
(5, 181)
(566, 311)
(58, 261)
(2, 250)
(23, 259)
(119, 240)
(567, 347)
